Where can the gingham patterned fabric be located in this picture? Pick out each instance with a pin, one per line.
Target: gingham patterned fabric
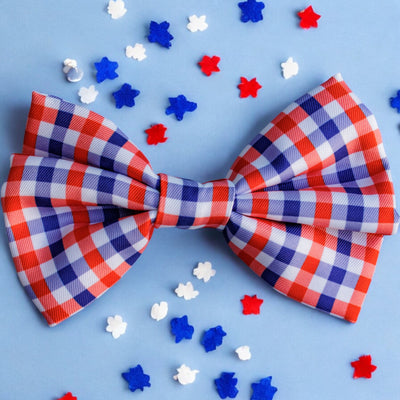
(305, 205)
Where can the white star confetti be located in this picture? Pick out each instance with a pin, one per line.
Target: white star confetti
(137, 52)
(116, 326)
(243, 352)
(197, 23)
(204, 271)
(185, 375)
(186, 291)
(290, 68)
(159, 311)
(116, 9)
(88, 94)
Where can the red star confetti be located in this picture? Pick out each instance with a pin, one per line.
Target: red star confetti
(248, 88)
(208, 65)
(156, 134)
(363, 367)
(251, 304)
(68, 396)
(308, 18)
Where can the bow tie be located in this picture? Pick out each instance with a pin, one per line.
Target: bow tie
(305, 205)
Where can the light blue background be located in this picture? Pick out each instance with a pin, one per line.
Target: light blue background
(307, 353)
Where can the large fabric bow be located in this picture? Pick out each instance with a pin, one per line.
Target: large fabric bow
(305, 205)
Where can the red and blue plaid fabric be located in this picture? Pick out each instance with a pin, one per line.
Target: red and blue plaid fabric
(305, 205)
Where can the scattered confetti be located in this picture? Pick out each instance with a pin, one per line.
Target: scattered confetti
(137, 52)
(395, 102)
(180, 105)
(116, 326)
(71, 70)
(68, 396)
(251, 10)
(186, 291)
(208, 65)
(243, 352)
(204, 271)
(263, 390)
(226, 385)
(197, 23)
(125, 96)
(88, 94)
(308, 18)
(156, 134)
(136, 378)
(248, 88)
(181, 329)
(116, 9)
(290, 68)
(363, 367)
(159, 34)
(159, 310)
(106, 69)
(212, 338)
(185, 375)
(251, 304)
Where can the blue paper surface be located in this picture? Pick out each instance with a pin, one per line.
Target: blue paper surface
(307, 353)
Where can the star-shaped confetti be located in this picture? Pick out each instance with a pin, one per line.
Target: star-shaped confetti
(136, 378)
(179, 105)
(137, 52)
(243, 352)
(263, 390)
(156, 134)
(116, 326)
(251, 304)
(88, 95)
(251, 10)
(116, 9)
(186, 291)
(125, 96)
(106, 69)
(68, 396)
(363, 367)
(159, 34)
(212, 338)
(290, 68)
(197, 23)
(204, 271)
(395, 102)
(208, 65)
(226, 385)
(181, 329)
(159, 311)
(308, 18)
(185, 375)
(248, 88)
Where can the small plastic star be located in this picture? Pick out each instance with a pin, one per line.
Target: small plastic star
(208, 65)
(251, 304)
(395, 102)
(181, 329)
(197, 23)
(204, 271)
(116, 326)
(248, 88)
(290, 68)
(68, 396)
(116, 9)
(106, 69)
(185, 375)
(88, 94)
(159, 34)
(159, 310)
(137, 52)
(226, 385)
(125, 96)
(180, 105)
(363, 367)
(212, 338)
(156, 134)
(263, 389)
(136, 378)
(251, 10)
(308, 18)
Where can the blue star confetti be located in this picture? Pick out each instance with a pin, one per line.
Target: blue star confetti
(136, 378)
(125, 96)
(213, 338)
(181, 328)
(180, 105)
(226, 385)
(159, 34)
(106, 69)
(395, 102)
(263, 390)
(251, 10)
